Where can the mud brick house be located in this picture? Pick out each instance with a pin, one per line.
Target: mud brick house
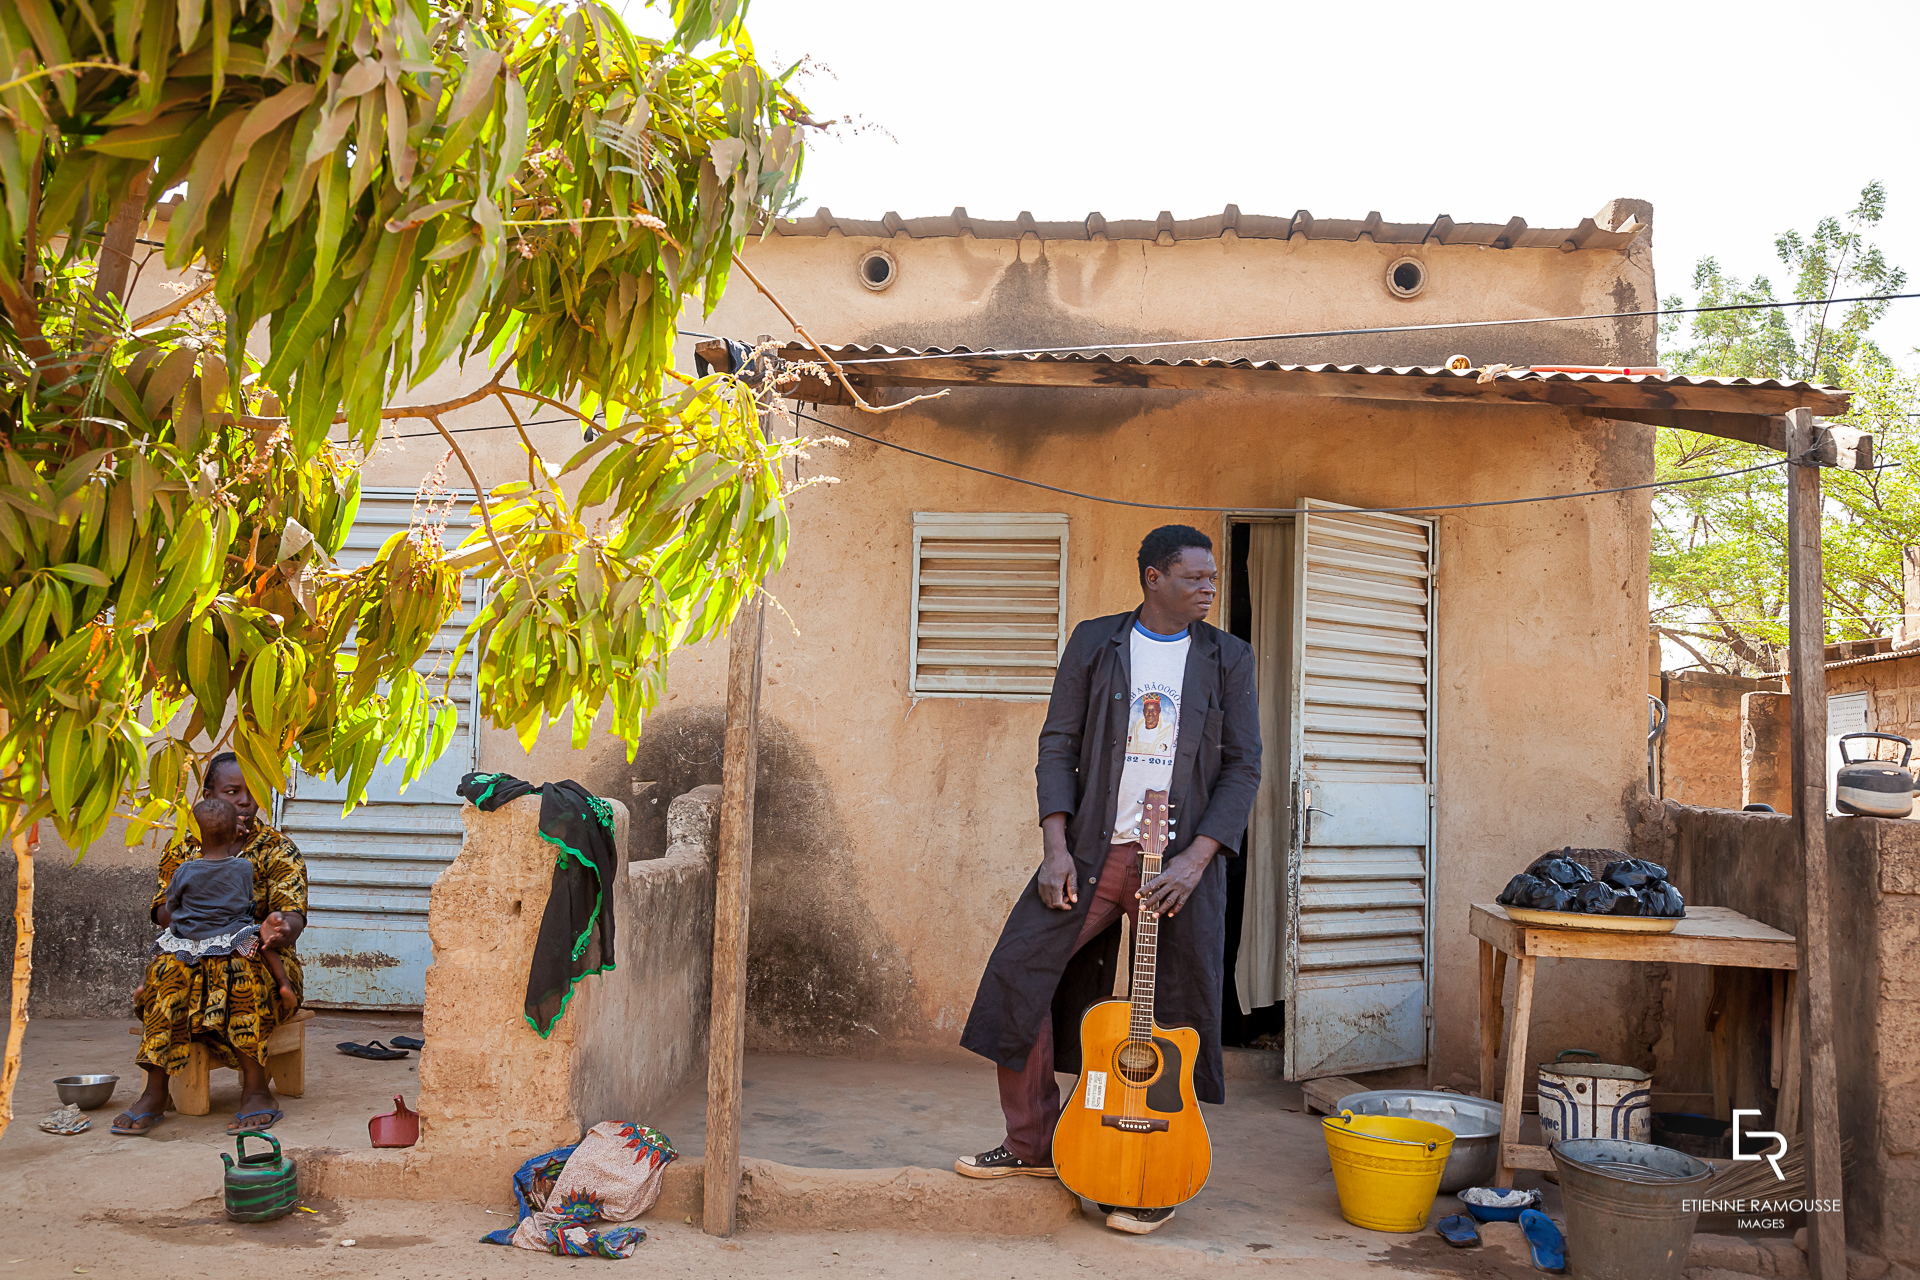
(1449, 693)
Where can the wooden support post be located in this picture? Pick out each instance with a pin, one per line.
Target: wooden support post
(1787, 1113)
(726, 1046)
(1513, 1099)
(1777, 1027)
(1489, 1020)
(1720, 1039)
(1826, 1231)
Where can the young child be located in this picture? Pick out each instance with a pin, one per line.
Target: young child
(209, 906)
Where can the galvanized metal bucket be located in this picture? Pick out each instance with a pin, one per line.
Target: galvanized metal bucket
(1594, 1100)
(1623, 1205)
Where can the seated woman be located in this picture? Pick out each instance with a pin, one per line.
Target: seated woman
(227, 1002)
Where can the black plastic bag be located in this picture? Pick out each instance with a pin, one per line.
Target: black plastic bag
(1564, 872)
(1663, 900)
(1596, 898)
(1536, 894)
(1632, 873)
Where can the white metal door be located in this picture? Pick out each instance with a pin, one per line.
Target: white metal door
(1359, 919)
(370, 873)
(1846, 713)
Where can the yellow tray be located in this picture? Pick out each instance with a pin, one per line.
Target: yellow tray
(1604, 924)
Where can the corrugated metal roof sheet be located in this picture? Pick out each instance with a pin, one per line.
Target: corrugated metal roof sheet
(1892, 655)
(870, 357)
(1167, 229)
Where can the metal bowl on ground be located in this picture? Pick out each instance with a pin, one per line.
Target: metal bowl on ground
(1474, 1123)
(85, 1092)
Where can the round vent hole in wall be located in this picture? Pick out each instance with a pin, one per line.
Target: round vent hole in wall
(878, 270)
(1406, 278)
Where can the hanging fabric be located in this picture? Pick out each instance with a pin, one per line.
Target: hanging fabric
(1260, 969)
(576, 930)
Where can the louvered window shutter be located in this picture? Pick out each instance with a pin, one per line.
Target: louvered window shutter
(989, 604)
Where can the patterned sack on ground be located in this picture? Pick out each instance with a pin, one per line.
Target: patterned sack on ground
(613, 1175)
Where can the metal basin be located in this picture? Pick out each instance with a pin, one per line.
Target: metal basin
(85, 1092)
(1474, 1122)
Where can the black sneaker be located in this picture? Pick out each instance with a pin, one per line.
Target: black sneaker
(999, 1163)
(1139, 1222)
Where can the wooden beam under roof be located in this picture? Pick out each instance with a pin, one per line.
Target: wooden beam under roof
(1751, 414)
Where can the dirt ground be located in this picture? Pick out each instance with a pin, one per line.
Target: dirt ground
(95, 1204)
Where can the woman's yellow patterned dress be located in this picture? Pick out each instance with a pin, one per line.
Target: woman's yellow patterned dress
(228, 1000)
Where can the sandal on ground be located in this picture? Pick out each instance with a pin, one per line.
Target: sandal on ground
(408, 1042)
(999, 1163)
(1139, 1222)
(239, 1124)
(1458, 1230)
(136, 1124)
(372, 1049)
(1544, 1241)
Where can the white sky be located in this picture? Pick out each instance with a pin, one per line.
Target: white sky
(1737, 121)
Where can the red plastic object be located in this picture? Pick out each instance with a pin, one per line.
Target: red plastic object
(397, 1128)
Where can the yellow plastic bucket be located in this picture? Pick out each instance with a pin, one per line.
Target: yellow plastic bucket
(1386, 1168)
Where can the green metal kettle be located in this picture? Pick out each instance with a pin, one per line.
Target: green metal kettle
(260, 1187)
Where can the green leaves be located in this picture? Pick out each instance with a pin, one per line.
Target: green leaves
(1719, 549)
(383, 186)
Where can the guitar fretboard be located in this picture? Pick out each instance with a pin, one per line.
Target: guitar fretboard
(1146, 941)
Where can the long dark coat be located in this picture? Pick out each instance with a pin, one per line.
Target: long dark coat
(1216, 769)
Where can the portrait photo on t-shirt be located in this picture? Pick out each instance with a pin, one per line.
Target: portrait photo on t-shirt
(1154, 725)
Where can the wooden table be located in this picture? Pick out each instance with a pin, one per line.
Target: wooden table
(1717, 936)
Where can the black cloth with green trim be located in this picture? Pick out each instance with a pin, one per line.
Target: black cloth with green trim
(576, 931)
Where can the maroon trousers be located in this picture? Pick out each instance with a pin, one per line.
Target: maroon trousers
(1031, 1098)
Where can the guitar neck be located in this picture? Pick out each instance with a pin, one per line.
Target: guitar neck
(1146, 943)
(1156, 831)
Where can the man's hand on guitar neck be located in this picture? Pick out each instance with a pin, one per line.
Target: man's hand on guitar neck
(1057, 872)
(1167, 892)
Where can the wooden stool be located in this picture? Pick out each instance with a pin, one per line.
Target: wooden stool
(286, 1067)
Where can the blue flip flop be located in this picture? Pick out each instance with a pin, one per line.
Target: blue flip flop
(239, 1124)
(1548, 1246)
(132, 1128)
(1458, 1230)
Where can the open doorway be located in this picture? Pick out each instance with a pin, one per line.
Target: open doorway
(1334, 896)
(1260, 610)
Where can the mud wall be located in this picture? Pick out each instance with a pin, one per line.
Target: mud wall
(1751, 862)
(492, 1091)
(1700, 751)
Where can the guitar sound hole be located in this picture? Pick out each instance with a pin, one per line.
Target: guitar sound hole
(1138, 1062)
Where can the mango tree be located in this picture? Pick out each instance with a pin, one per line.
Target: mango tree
(365, 190)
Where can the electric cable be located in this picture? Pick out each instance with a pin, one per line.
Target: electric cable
(1391, 328)
(501, 426)
(1288, 511)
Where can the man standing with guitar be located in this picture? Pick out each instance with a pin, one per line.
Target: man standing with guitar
(1155, 699)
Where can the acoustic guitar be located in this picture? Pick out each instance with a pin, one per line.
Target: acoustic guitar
(1131, 1133)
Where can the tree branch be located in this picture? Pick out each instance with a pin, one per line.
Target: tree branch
(1679, 639)
(859, 400)
(479, 490)
(175, 307)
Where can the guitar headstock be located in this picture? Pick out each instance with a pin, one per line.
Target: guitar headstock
(1156, 823)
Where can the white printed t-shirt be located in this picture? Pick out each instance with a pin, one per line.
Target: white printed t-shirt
(1153, 723)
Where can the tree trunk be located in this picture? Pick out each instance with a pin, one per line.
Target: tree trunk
(22, 973)
(117, 246)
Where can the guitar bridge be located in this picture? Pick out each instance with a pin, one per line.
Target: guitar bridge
(1134, 1124)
